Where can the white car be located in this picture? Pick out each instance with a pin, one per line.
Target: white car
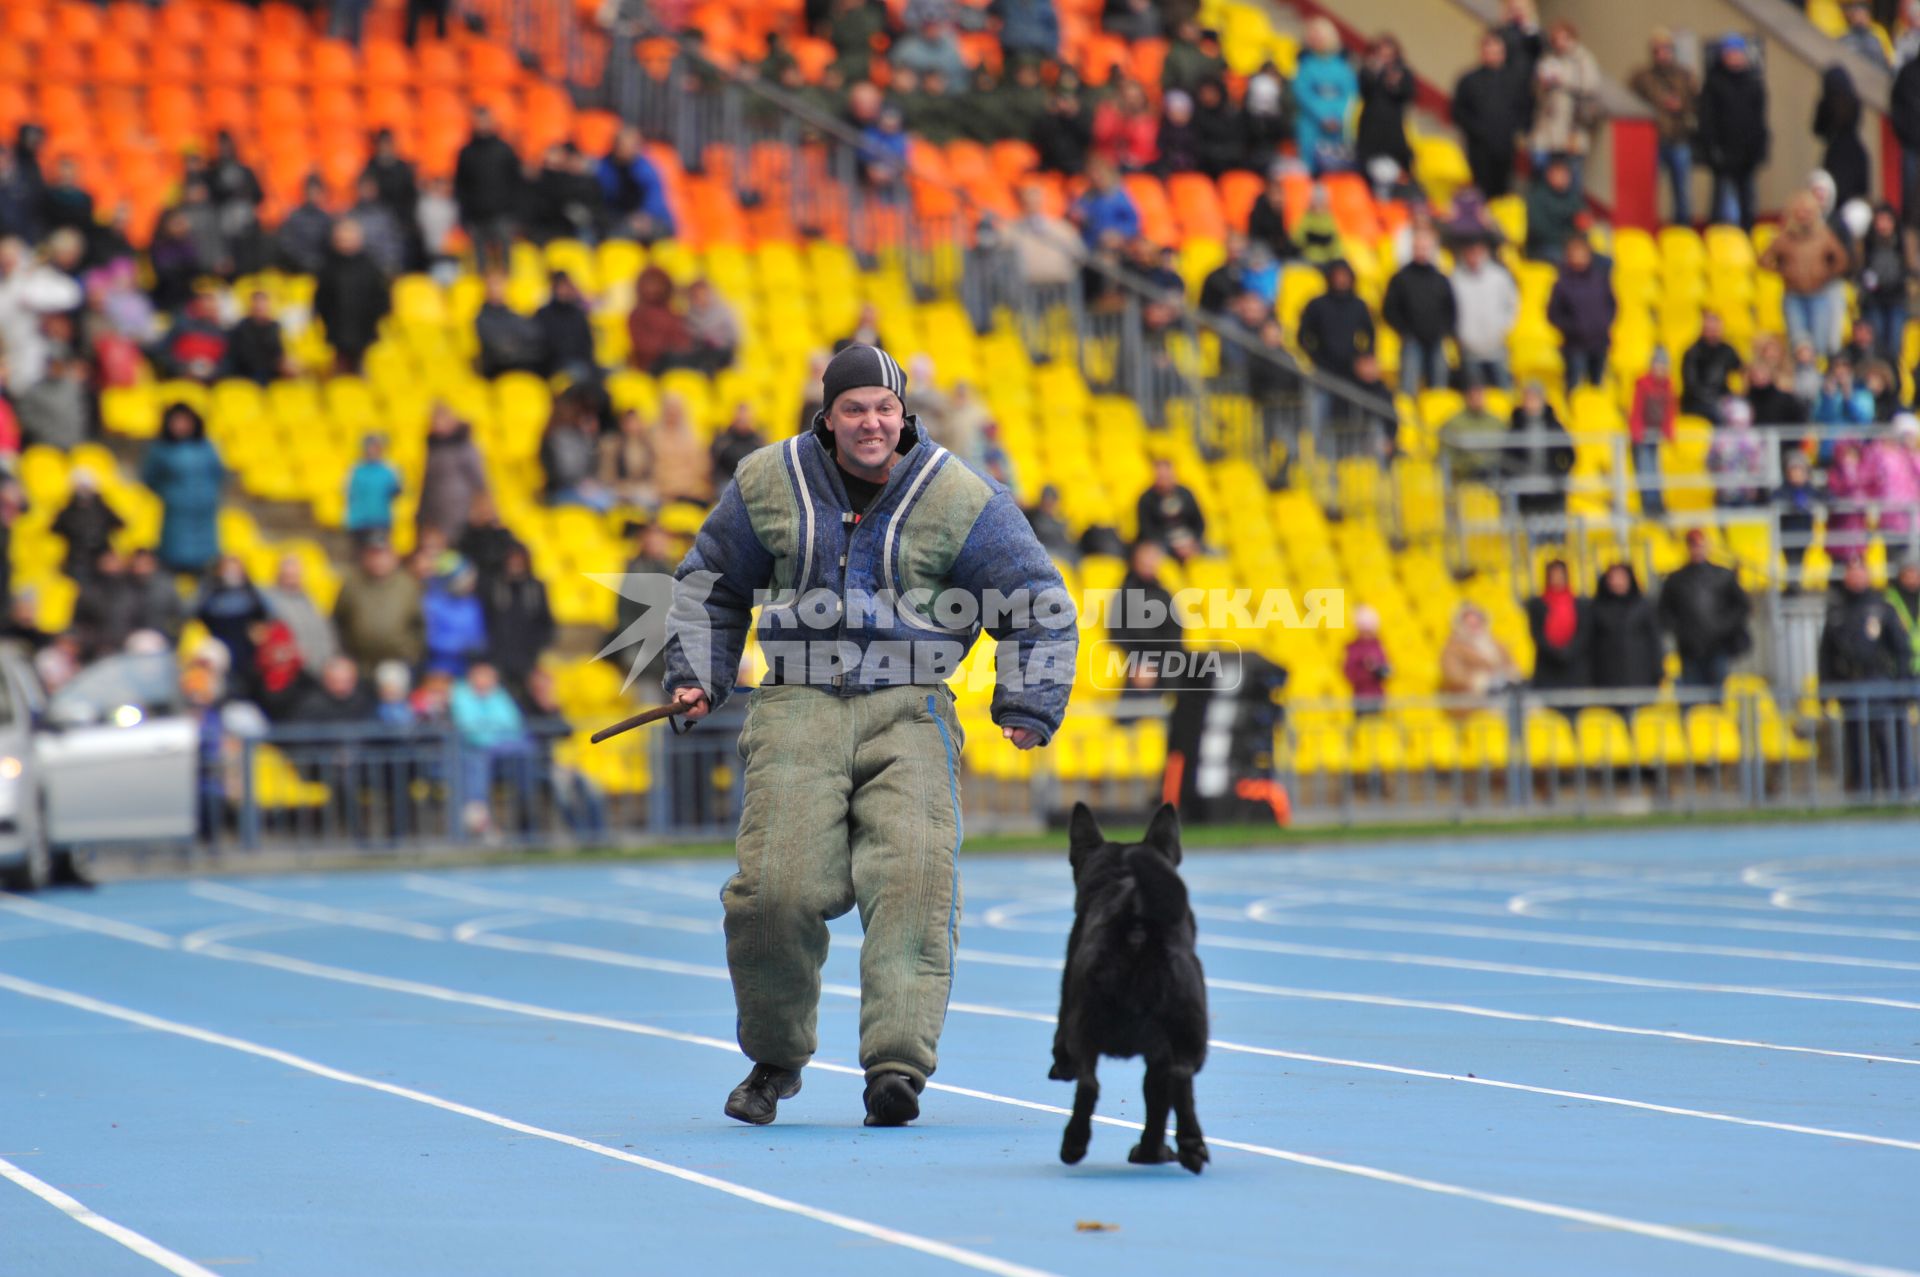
(109, 759)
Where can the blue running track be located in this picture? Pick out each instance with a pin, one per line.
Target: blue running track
(1665, 1052)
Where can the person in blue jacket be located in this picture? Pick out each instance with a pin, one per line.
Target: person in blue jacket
(456, 622)
(1324, 91)
(636, 193)
(186, 473)
(886, 556)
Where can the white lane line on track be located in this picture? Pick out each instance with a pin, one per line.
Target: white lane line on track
(1003, 918)
(1598, 1219)
(452, 889)
(481, 931)
(1263, 911)
(80, 1213)
(846, 1223)
(74, 918)
(262, 902)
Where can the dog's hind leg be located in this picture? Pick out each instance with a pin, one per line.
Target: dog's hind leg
(1152, 1149)
(1192, 1145)
(1073, 1145)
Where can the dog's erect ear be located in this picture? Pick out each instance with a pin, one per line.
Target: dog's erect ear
(1163, 832)
(1083, 836)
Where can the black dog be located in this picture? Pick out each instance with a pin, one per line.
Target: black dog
(1133, 985)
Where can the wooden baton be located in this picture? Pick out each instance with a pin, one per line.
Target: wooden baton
(655, 714)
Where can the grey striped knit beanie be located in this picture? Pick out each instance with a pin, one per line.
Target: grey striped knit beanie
(858, 366)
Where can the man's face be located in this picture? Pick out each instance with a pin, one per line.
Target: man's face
(1696, 549)
(1910, 577)
(1662, 53)
(1163, 476)
(1710, 327)
(1856, 578)
(1559, 176)
(866, 423)
(1493, 53)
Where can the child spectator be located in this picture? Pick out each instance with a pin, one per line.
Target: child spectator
(1366, 664)
(1649, 424)
(456, 623)
(373, 485)
(1738, 458)
(1324, 88)
(1795, 499)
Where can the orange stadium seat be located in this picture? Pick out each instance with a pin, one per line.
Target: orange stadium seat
(1196, 205)
(332, 64)
(1156, 215)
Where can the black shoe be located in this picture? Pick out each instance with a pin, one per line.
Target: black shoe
(757, 1099)
(891, 1100)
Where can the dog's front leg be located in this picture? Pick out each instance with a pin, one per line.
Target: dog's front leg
(1152, 1149)
(1192, 1145)
(1073, 1145)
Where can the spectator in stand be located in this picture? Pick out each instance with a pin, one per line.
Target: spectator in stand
(653, 556)
(256, 350)
(1168, 513)
(1179, 141)
(392, 684)
(1860, 38)
(57, 410)
(301, 242)
(1486, 304)
(566, 332)
(1863, 351)
(161, 609)
(1420, 308)
(337, 698)
(397, 189)
(1386, 94)
(634, 191)
(1463, 460)
(735, 444)
(1567, 107)
(1336, 328)
(1863, 642)
(1049, 526)
(680, 468)
(384, 234)
(569, 456)
(1029, 30)
(1473, 663)
(1903, 592)
(1321, 243)
(171, 254)
(30, 293)
(1063, 137)
(1227, 281)
(713, 327)
(1893, 477)
(230, 606)
(1885, 272)
(194, 347)
(1734, 140)
(373, 485)
(453, 476)
(1674, 93)
(566, 198)
(1104, 207)
(1904, 115)
(204, 225)
(656, 329)
(1220, 130)
(1836, 121)
(1706, 372)
(87, 524)
(1847, 501)
(1143, 626)
(1047, 247)
(107, 610)
(1126, 132)
(1795, 502)
(278, 681)
(289, 603)
(186, 473)
(494, 745)
(1809, 257)
(509, 341)
(1267, 115)
(1324, 89)
(1489, 109)
(1883, 383)
(64, 203)
(519, 623)
(486, 541)
(1193, 58)
(1738, 458)
(1843, 401)
(1555, 211)
(455, 623)
(1366, 665)
(1267, 221)
(486, 185)
(351, 299)
(626, 461)
(1624, 643)
(1771, 405)
(1131, 19)
(1650, 423)
(1582, 308)
(1562, 635)
(1541, 456)
(852, 29)
(1706, 611)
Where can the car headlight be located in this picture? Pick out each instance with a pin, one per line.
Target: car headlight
(10, 767)
(127, 716)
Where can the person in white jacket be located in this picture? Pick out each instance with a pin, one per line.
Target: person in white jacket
(30, 290)
(1486, 303)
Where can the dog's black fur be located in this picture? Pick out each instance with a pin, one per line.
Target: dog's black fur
(1133, 985)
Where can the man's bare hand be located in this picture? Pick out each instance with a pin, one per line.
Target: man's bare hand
(693, 703)
(1022, 737)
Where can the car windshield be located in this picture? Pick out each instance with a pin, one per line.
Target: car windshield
(150, 682)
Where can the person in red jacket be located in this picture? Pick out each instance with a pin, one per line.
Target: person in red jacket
(1650, 421)
(1366, 664)
(1126, 131)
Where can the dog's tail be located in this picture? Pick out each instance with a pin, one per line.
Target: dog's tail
(1158, 892)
